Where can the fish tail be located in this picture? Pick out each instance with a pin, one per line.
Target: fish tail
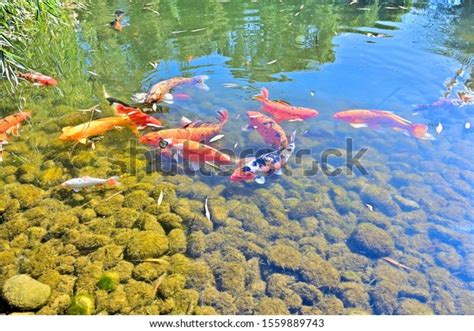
(113, 181)
(223, 116)
(139, 97)
(420, 131)
(263, 96)
(198, 81)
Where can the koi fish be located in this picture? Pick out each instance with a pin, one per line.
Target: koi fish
(116, 24)
(396, 264)
(39, 79)
(11, 124)
(257, 168)
(138, 117)
(374, 119)
(190, 130)
(83, 132)
(76, 184)
(160, 92)
(270, 131)
(192, 151)
(283, 111)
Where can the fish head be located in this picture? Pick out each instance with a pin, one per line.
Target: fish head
(253, 117)
(242, 174)
(151, 139)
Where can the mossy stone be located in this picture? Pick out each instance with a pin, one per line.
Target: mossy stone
(146, 244)
(272, 306)
(177, 241)
(413, 307)
(171, 284)
(284, 256)
(371, 241)
(25, 293)
(108, 281)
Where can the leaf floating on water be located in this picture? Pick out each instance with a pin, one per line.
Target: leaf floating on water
(216, 138)
(180, 31)
(206, 210)
(200, 29)
(467, 125)
(391, 8)
(365, 8)
(297, 13)
(439, 128)
(353, 2)
(160, 198)
(312, 93)
(369, 207)
(272, 62)
(154, 64)
(230, 85)
(235, 145)
(93, 73)
(403, 7)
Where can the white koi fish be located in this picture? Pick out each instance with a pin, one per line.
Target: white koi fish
(76, 184)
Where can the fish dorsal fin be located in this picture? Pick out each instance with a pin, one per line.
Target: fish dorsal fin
(283, 102)
(395, 116)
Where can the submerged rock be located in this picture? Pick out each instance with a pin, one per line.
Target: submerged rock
(25, 293)
(371, 241)
(413, 307)
(146, 244)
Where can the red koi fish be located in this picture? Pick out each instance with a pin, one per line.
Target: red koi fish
(138, 117)
(39, 79)
(192, 151)
(375, 119)
(283, 111)
(191, 130)
(160, 92)
(270, 131)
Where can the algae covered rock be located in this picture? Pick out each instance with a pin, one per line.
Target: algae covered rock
(146, 244)
(371, 241)
(413, 307)
(319, 272)
(284, 256)
(25, 293)
(272, 306)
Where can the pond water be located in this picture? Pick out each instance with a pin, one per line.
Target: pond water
(394, 238)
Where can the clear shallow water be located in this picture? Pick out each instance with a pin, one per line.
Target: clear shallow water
(298, 244)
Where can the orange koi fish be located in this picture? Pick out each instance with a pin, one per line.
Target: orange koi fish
(192, 151)
(140, 119)
(161, 91)
(283, 111)
(82, 132)
(270, 131)
(374, 119)
(191, 130)
(10, 125)
(39, 79)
